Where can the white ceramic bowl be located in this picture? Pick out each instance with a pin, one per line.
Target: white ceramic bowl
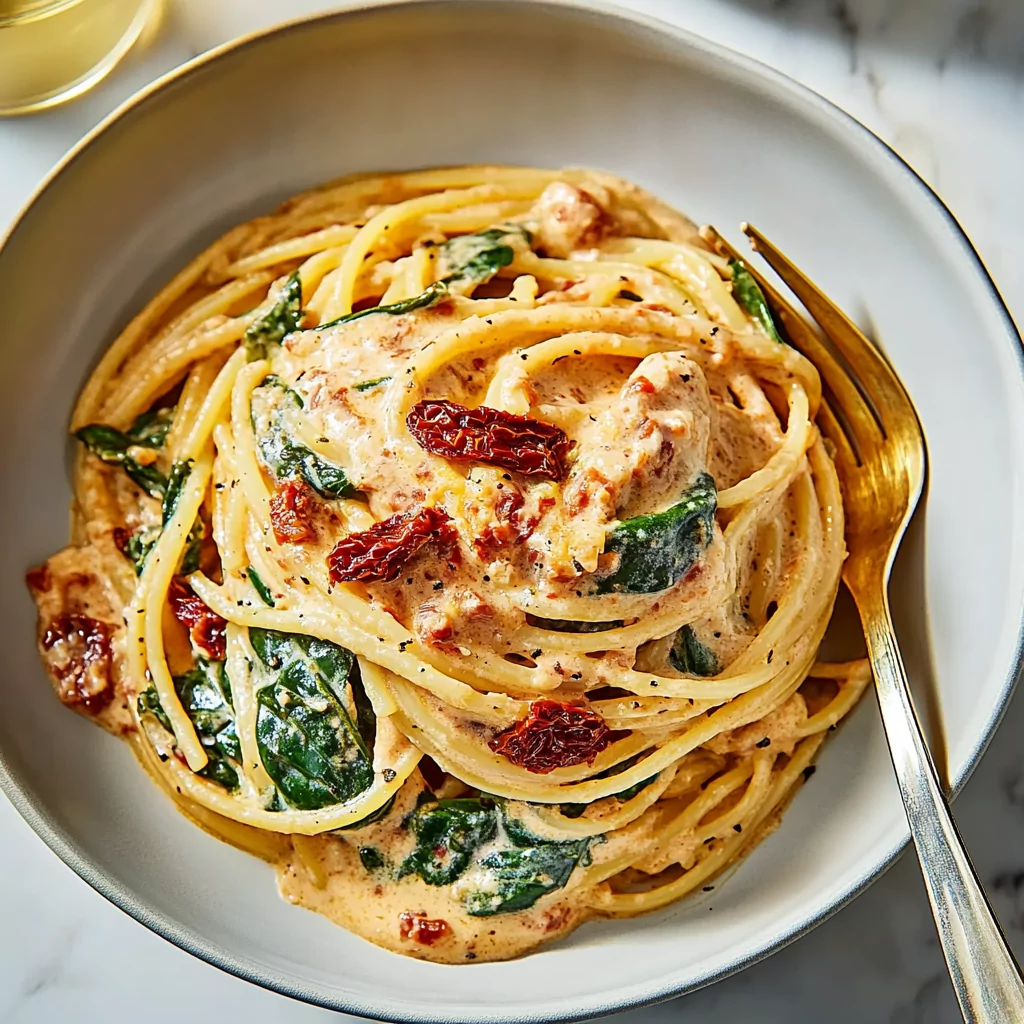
(547, 84)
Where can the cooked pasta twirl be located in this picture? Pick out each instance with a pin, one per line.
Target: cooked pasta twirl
(460, 542)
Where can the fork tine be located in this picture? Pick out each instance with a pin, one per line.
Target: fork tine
(843, 454)
(880, 383)
(805, 341)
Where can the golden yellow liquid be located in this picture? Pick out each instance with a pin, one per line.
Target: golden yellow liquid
(51, 50)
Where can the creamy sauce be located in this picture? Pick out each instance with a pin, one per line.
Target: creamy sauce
(331, 879)
(530, 554)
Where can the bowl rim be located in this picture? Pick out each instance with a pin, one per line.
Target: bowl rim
(63, 845)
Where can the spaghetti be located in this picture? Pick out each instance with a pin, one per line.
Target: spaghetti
(460, 542)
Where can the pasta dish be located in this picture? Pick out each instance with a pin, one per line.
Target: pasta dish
(460, 542)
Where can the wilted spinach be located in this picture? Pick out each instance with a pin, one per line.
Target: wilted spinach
(519, 875)
(206, 697)
(476, 258)
(205, 694)
(260, 587)
(448, 833)
(308, 741)
(143, 541)
(688, 654)
(454, 835)
(151, 428)
(365, 385)
(576, 810)
(281, 319)
(111, 445)
(469, 259)
(139, 545)
(194, 542)
(437, 291)
(748, 294)
(149, 704)
(285, 457)
(655, 551)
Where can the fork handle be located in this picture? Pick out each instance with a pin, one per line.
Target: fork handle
(985, 976)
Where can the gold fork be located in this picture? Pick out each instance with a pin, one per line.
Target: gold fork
(879, 453)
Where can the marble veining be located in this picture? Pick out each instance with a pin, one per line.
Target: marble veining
(942, 81)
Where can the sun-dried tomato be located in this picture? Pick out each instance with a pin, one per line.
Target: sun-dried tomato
(378, 554)
(77, 653)
(420, 928)
(553, 735)
(292, 507)
(205, 626)
(510, 527)
(490, 435)
(510, 502)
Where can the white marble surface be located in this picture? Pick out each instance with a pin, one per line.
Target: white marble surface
(940, 80)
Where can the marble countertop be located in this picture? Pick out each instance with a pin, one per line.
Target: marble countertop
(942, 81)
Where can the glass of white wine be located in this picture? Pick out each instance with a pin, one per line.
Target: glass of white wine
(52, 50)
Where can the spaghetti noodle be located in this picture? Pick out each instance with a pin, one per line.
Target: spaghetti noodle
(461, 542)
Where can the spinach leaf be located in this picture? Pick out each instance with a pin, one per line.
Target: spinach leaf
(631, 791)
(748, 294)
(365, 385)
(172, 492)
(151, 428)
(617, 769)
(287, 458)
(655, 551)
(194, 542)
(142, 542)
(688, 654)
(260, 587)
(281, 319)
(327, 479)
(205, 694)
(148, 431)
(149, 704)
(111, 445)
(307, 740)
(472, 259)
(149, 478)
(193, 549)
(139, 546)
(448, 833)
(206, 697)
(477, 258)
(576, 810)
(519, 876)
(437, 291)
